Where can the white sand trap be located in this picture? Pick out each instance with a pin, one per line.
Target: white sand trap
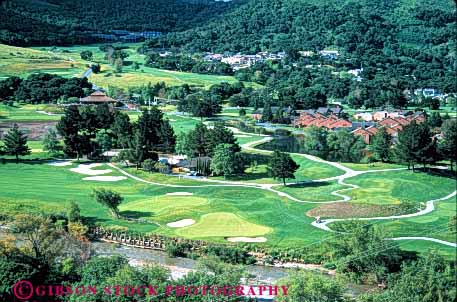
(86, 169)
(181, 223)
(247, 239)
(105, 178)
(172, 120)
(180, 194)
(241, 135)
(60, 163)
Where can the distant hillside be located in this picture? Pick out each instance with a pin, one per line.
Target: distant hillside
(281, 25)
(57, 22)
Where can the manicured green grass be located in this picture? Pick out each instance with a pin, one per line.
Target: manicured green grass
(66, 61)
(218, 211)
(434, 224)
(164, 179)
(318, 191)
(372, 166)
(165, 209)
(309, 170)
(395, 187)
(223, 224)
(424, 247)
(25, 113)
(182, 123)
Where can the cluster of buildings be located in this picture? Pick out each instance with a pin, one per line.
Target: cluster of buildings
(393, 123)
(366, 125)
(329, 118)
(239, 61)
(126, 36)
(326, 54)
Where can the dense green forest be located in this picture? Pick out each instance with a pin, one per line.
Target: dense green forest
(57, 22)
(353, 26)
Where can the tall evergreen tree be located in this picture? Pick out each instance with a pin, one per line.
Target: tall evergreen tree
(435, 120)
(198, 143)
(267, 114)
(282, 166)
(15, 142)
(413, 144)
(448, 145)
(68, 128)
(167, 137)
(121, 129)
(382, 143)
(221, 135)
(51, 142)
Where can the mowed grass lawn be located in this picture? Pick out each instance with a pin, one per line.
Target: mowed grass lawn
(308, 170)
(434, 224)
(373, 166)
(25, 113)
(66, 61)
(314, 191)
(35, 188)
(395, 187)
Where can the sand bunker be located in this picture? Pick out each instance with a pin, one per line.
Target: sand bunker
(241, 135)
(60, 163)
(247, 239)
(181, 223)
(105, 178)
(86, 169)
(180, 194)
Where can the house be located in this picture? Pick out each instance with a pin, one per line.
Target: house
(306, 53)
(329, 54)
(362, 124)
(380, 115)
(257, 114)
(427, 92)
(365, 134)
(364, 116)
(389, 122)
(97, 97)
(340, 124)
(372, 129)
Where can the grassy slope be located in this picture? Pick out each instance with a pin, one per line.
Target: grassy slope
(24, 61)
(50, 189)
(399, 186)
(433, 225)
(25, 113)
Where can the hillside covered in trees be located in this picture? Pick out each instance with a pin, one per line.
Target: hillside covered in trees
(352, 26)
(57, 22)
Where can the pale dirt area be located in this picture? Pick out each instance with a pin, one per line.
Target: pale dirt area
(181, 223)
(180, 194)
(105, 178)
(86, 169)
(60, 163)
(247, 239)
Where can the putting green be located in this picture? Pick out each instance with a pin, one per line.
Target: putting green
(164, 208)
(223, 224)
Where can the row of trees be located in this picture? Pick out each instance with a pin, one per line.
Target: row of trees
(43, 88)
(416, 145)
(333, 145)
(187, 63)
(92, 130)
